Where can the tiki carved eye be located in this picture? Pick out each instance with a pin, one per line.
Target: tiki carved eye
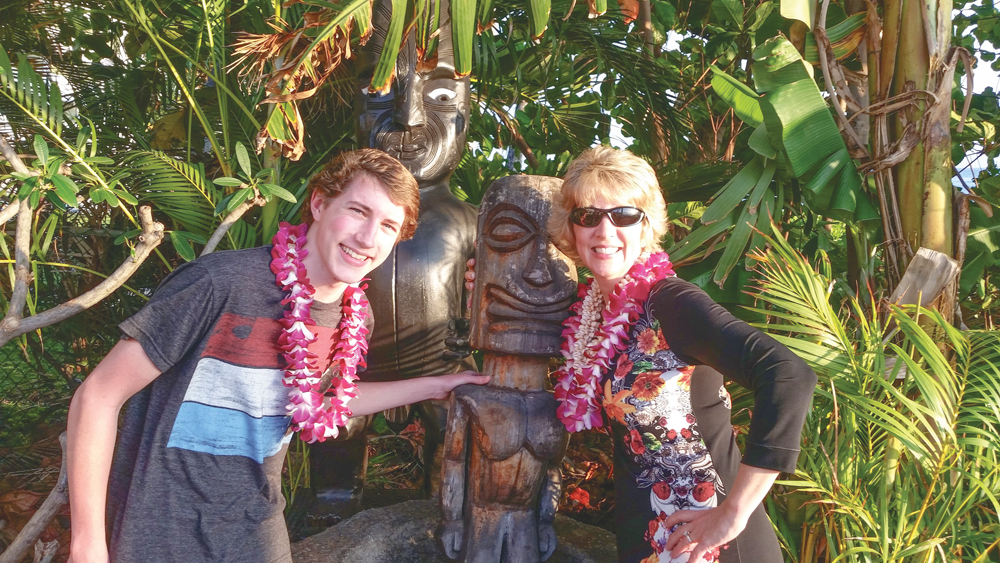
(442, 94)
(509, 229)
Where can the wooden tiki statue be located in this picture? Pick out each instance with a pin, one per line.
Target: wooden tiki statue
(503, 443)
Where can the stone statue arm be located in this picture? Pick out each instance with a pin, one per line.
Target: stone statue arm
(457, 343)
(456, 438)
(547, 506)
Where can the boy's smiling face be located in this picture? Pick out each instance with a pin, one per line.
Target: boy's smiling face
(351, 233)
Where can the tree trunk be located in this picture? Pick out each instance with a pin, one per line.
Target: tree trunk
(924, 67)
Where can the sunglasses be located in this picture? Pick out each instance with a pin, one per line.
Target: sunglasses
(619, 216)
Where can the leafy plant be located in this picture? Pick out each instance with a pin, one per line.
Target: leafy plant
(898, 460)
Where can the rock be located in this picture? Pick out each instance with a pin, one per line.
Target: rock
(404, 533)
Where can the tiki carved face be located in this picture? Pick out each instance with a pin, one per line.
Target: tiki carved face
(423, 119)
(524, 285)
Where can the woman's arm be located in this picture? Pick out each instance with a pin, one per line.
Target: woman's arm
(701, 331)
(91, 432)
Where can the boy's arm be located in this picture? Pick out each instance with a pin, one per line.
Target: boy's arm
(91, 433)
(378, 396)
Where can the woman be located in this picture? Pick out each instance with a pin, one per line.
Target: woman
(646, 352)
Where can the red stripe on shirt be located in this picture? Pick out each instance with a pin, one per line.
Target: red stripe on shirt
(252, 342)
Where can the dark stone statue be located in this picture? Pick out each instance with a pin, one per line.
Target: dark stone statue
(501, 479)
(417, 294)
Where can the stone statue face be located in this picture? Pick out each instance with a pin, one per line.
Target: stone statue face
(423, 120)
(524, 285)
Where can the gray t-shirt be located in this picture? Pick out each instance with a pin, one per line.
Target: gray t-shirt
(197, 471)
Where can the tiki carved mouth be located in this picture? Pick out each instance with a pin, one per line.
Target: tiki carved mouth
(505, 307)
(404, 145)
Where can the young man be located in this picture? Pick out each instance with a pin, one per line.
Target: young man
(197, 472)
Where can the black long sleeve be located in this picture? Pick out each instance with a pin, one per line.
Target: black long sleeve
(700, 331)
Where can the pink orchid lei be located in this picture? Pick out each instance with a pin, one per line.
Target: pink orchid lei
(314, 416)
(579, 379)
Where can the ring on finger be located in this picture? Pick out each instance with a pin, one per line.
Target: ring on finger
(687, 534)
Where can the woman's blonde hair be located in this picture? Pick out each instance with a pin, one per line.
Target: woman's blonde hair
(616, 175)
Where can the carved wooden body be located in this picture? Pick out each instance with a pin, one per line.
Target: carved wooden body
(516, 487)
(503, 445)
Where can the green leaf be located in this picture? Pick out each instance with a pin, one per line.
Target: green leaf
(224, 203)
(761, 143)
(739, 96)
(801, 10)
(41, 149)
(700, 236)
(733, 193)
(762, 186)
(53, 198)
(55, 109)
(100, 160)
(277, 128)
(111, 198)
(48, 230)
(778, 63)
(97, 194)
(244, 158)
(66, 189)
(539, 14)
(427, 16)
(6, 71)
(799, 121)
(385, 68)
(126, 197)
(484, 15)
(238, 198)
(176, 188)
(734, 248)
(27, 187)
(227, 181)
(280, 192)
(463, 27)
(729, 9)
(181, 244)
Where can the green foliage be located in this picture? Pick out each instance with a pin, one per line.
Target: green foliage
(897, 463)
(793, 130)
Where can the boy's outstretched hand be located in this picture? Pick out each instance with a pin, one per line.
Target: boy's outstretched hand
(378, 396)
(445, 383)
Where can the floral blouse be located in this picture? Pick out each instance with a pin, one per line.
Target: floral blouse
(670, 418)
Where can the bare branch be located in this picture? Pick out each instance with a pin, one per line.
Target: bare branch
(22, 242)
(57, 499)
(152, 235)
(10, 155)
(229, 221)
(646, 14)
(8, 212)
(22, 268)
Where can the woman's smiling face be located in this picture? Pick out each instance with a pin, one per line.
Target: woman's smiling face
(606, 250)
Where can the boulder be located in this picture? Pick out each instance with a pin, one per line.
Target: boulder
(404, 533)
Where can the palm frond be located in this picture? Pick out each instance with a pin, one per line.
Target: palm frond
(176, 188)
(899, 460)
